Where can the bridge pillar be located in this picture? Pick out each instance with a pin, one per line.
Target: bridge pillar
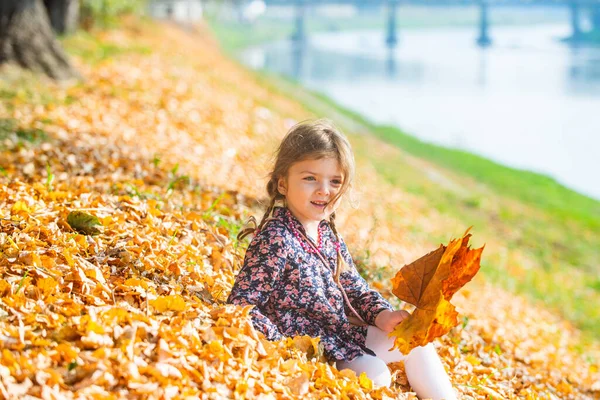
(391, 38)
(484, 39)
(575, 26)
(299, 34)
(595, 18)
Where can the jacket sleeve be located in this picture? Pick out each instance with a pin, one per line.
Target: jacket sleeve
(368, 303)
(264, 261)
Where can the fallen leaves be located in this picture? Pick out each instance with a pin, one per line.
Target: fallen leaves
(168, 156)
(429, 283)
(168, 303)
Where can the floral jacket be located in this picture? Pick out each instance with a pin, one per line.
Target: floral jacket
(294, 293)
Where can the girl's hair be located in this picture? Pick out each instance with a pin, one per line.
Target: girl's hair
(309, 140)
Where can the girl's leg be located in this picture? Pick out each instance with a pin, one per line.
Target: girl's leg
(423, 366)
(375, 368)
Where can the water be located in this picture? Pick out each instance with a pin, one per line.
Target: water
(529, 101)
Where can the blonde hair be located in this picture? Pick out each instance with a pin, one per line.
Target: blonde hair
(309, 140)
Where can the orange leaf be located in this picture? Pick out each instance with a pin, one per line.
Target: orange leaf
(429, 283)
(168, 303)
(47, 286)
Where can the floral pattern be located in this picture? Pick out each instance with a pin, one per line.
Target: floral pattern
(294, 293)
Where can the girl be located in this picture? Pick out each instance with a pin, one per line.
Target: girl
(301, 278)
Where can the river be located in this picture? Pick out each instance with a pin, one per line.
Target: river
(528, 101)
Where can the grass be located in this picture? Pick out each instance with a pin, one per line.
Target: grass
(93, 51)
(532, 188)
(19, 136)
(26, 87)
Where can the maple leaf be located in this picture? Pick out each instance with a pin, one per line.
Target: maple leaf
(429, 283)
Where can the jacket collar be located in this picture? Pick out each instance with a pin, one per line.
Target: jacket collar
(284, 214)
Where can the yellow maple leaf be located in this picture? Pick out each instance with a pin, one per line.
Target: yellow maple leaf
(20, 206)
(471, 359)
(365, 382)
(429, 283)
(168, 303)
(47, 286)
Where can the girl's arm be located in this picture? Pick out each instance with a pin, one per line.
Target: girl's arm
(367, 302)
(265, 259)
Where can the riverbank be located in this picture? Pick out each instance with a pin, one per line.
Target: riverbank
(168, 142)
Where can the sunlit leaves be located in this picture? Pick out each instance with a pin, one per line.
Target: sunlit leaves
(169, 156)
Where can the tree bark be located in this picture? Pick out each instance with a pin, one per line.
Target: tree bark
(26, 38)
(64, 15)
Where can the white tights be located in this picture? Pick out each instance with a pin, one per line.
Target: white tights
(423, 366)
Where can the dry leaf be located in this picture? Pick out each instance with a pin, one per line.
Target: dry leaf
(429, 283)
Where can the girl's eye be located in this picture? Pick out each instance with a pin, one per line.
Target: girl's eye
(309, 178)
(336, 182)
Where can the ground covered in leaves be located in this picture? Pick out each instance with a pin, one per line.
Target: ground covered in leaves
(167, 143)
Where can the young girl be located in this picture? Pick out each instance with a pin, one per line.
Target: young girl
(301, 278)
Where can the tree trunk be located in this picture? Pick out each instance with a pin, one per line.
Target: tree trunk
(63, 14)
(27, 39)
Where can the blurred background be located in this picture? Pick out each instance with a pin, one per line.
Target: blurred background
(515, 81)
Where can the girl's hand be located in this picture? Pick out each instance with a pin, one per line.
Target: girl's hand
(387, 320)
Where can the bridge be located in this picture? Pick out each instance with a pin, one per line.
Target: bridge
(483, 39)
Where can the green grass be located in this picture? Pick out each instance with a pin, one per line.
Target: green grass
(93, 51)
(11, 131)
(531, 188)
(19, 86)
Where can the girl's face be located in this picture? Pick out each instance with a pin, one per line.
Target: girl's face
(309, 187)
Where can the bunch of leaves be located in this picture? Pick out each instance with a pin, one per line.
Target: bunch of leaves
(429, 283)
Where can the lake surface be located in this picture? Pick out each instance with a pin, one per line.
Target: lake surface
(528, 101)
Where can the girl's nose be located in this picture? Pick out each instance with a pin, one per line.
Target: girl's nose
(324, 189)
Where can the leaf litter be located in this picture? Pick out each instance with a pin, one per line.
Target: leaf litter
(168, 152)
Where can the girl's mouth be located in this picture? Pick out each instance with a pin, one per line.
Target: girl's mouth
(320, 204)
